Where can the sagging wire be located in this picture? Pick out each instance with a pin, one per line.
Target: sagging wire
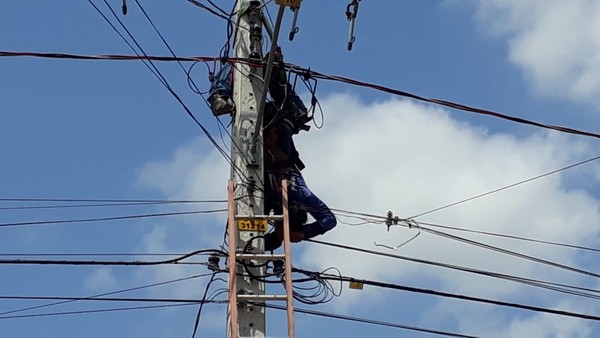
(396, 247)
(320, 292)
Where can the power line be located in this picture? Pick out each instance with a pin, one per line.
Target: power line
(113, 218)
(110, 310)
(445, 103)
(378, 219)
(573, 290)
(507, 187)
(510, 252)
(102, 299)
(311, 73)
(175, 260)
(124, 201)
(70, 299)
(223, 15)
(572, 246)
(161, 78)
(198, 315)
(113, 57)
(71, 206)
(457, 296)
(364, 320)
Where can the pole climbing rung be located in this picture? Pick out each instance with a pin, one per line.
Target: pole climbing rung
(267, 217)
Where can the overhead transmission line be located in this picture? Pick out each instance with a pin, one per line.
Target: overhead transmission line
(71, 299)
(449, 104)
(562, 288)
(176, 260)
(507, 186)
(379, 219)
(112, 218)
(509, 252)
(58, 204)
(309, 73)
(150, 65)
(124, 201)
(189, 302)
(220, 14)
(365, 320)
(132, 308)
(453, 295)
(520, 238)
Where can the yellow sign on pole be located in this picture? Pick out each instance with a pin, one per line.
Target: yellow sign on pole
(289, 3)
(260, 225)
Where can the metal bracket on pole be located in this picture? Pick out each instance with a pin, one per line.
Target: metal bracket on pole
(268, 71)
(351, 13)
(294, 28)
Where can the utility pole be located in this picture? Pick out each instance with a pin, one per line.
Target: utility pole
(247, 170)
(246, 188)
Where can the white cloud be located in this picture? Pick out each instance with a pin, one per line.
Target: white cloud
(556, 43)
(100, 279)
(192, 173)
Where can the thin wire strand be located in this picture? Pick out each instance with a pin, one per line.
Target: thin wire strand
(112, 218)
(507, 187)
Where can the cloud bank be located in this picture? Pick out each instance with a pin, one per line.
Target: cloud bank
(555, 43)
(410, 158)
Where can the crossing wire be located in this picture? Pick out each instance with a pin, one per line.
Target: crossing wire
(457, 296)
(112, 218)
(573, 290)
(364, 320)
(310, 73)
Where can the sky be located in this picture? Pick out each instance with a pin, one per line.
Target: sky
(108, 130)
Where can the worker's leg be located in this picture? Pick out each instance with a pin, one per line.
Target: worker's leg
(301, 194)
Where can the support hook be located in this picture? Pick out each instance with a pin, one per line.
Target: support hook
(395, 247)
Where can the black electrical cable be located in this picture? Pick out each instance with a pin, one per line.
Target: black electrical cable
(110, 310)
(448, 104)
(495, 234)
(197, 322)
(507, 187)
(175, 260)
(123, 201)
(311, 73)
(69, 206)
(223, 16)
(458, 296)
(509, 252)
(165, 83)
(112, 218)
(522, 280)
(364, 320)
(105, 294)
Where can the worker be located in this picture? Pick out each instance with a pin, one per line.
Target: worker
(221, 91)
(282, 161)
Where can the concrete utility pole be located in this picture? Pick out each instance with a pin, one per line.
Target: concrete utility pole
(246, 216)
(247, 157)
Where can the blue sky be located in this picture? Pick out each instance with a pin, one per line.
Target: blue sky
(108, 130)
